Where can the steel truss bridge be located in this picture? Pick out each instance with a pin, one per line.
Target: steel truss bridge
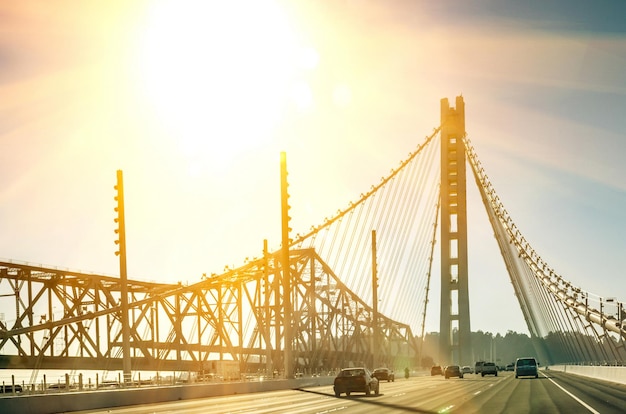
(180, 328)
(312, 306)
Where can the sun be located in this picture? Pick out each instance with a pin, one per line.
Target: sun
(217, 73)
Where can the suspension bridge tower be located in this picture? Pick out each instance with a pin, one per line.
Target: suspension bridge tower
(454, 323)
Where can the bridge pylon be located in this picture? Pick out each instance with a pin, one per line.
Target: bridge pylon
(454, 333)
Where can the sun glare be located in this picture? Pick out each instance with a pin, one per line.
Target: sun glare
(219, 73)
(342, 95)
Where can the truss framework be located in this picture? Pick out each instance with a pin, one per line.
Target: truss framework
(71, 320)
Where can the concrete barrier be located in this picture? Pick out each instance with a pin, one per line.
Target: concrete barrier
(602, 372)
(91, 400)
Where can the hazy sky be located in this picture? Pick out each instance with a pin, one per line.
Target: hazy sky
(194, 100)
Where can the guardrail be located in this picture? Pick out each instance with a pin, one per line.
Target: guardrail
(602, 372)
(92, 400)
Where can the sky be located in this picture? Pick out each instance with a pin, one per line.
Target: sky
(195, 100)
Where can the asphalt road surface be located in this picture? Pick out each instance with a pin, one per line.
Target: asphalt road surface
(552, 392)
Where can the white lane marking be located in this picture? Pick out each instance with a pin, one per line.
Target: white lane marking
(581, 402)
(332, 410)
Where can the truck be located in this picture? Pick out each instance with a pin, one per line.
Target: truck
(489, 368)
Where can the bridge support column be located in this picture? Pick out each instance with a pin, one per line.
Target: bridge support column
(454, 333)
(286, 270)
(121, 231)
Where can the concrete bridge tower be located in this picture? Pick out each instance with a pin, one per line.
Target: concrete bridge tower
(454, 339)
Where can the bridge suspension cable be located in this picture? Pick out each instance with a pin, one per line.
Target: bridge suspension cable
(402, 209)
(567, 323)
(240, 314)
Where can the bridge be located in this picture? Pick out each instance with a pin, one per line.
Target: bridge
(317, 302)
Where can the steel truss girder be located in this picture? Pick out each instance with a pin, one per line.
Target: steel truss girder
(74, 317)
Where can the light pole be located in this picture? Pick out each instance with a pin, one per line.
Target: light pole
(121, 242)
(375, 341)
(287, 311)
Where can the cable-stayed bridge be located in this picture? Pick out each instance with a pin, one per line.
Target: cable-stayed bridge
(353, 290)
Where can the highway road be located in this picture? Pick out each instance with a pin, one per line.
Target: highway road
(552, 392)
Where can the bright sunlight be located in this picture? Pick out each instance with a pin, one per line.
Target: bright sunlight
(220, 73)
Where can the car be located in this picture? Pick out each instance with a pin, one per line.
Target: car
(478, 368)
(510, 367)
(384, 374)
(5, 389)
(61, 386)
(211, 376)
(467, 370)
(453, 371)
(436, 370)
(109, 384)
(489, 368)
(526, 367)
(351, 380)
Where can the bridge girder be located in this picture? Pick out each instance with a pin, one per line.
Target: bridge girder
(75, 317)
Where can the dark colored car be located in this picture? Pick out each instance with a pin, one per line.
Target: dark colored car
(436, 370)
(384, 374)
(6, 389)
(453, 371)
(355, 380)
(478, 368)
(526, 367)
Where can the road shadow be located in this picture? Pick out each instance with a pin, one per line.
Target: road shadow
(371, 399)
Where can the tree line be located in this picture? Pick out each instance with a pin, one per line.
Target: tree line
(555, 348)
(486, 346)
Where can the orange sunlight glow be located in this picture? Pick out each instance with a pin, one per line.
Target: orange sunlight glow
(220, 74)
